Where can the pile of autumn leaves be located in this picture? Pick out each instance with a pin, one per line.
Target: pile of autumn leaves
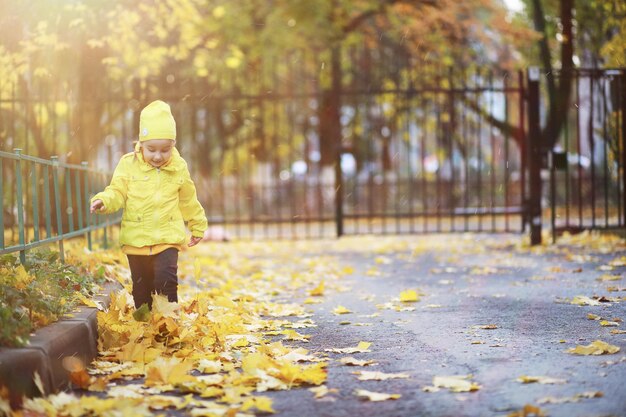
(210, 355)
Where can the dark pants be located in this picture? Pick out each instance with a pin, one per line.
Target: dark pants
(154, 274)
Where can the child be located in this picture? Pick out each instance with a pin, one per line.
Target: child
(153, 186)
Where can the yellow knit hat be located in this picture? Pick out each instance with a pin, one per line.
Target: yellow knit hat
(156, 122)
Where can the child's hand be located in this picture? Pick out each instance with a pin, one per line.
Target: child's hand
(97, 205)
(194, 241)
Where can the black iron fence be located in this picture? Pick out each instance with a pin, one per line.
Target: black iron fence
(362, 142)
(587, 177)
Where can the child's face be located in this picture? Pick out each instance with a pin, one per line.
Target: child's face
(157, 152)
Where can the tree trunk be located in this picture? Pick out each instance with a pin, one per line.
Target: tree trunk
(329, 113)
(558, 95)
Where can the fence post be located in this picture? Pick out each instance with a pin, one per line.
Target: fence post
(88, 215)
(623, 142)
(2, 210)
(535, 156)
(339, 193)
(57, 203)
(20, 204)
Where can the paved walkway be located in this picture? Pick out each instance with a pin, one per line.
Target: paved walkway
(486, 308)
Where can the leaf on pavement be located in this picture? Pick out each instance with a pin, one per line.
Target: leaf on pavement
(261, 403)
(582, 300)
(322, 391)
(168, 371)
(409, 296)
(379, 376)
(362, 347)
(576, 398)
(597, 347)
(609, 277)
(350, 361)
(341, 310)
(525, 379)
(528, 411)
(455, 383)
(318, 291)
(606, 323)
(375, 396)
(291, 334)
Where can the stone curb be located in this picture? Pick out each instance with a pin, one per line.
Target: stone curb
(73, 336)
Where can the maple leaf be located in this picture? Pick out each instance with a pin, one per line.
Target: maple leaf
(341, 310)
(362, 347)
(318, 291)
(322, 391)
(80, 379)
(375, 396)
(576, 398)
(295, 374)
(168, 371)
(263, 404)
(456, 383)
(378, 376)
(350, 361)
(524, 379)
(293, 335)
(409, 296)
(596, 347)
(528, 411)
(582, 300)
(88, 301)
(162, 306)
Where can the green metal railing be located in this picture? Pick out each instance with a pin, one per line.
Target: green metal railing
(24, 217)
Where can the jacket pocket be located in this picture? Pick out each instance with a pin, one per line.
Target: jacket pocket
(140, 191)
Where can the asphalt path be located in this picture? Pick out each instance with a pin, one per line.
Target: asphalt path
(484, 282)
(488, 309)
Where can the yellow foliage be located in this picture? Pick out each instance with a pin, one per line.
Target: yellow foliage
(596, 347)
(409, 296)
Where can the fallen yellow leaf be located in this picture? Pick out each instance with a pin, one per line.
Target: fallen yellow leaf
(409, 296)
(524, 379)
(378, 376)
(597, 347)
(362, 347)
(583, 300)
(375, 396)
(576, 398)
(350, 361)
(322, 391)
(527, 411)
(455, 383)
(341, 310)
(318, 291)
(263, 404)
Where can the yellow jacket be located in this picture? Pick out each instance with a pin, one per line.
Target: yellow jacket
(156, 201)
